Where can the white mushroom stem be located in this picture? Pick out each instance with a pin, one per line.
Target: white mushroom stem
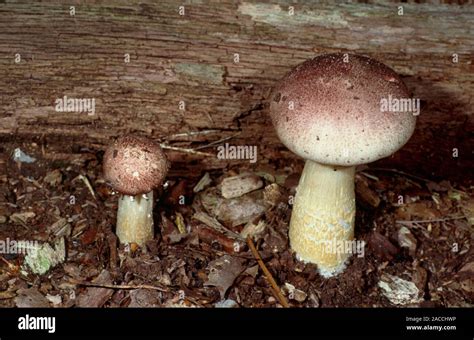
(322, 222)
(135, 219)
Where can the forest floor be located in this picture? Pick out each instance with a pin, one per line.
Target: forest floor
(417, 232)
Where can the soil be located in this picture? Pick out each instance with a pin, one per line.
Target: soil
(415, 229)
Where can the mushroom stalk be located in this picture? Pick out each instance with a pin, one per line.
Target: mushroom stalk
(135, 218)
(322, 222)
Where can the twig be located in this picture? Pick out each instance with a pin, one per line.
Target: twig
(186, 150)
(375, 178)
(192, 133)
(110, 286)
(268, 275)
(432, 221)
(214, 224)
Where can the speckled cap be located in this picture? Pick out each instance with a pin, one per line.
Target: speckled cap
(330, 111)
(134, 165)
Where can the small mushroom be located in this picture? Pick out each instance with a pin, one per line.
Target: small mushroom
(134, 166)
(335, 127)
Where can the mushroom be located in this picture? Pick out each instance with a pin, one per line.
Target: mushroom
(134, 166)
(328, 110)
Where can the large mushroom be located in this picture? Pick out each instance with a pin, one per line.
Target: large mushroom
(134, 166)
(328, 110)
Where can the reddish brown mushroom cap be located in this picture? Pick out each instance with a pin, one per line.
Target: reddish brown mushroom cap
(135, 165)
(329, 110)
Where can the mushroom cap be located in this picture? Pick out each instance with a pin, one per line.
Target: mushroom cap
(329, 111)
(134, 165)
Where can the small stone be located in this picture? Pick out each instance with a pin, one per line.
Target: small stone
(367, 196)
(252, 271)
(30, 298)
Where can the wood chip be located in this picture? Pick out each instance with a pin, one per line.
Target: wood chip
(239, 185)
(398, 290)
(203, 183)
(365, 194)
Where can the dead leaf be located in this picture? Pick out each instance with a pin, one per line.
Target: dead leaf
(367, 196)
(253, 230)
(227, 304)
(30, 298)
(239, 185)
(95, 296)
(236, 211)
(223, 272)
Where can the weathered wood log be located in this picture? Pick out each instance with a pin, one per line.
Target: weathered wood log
(211, 69)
